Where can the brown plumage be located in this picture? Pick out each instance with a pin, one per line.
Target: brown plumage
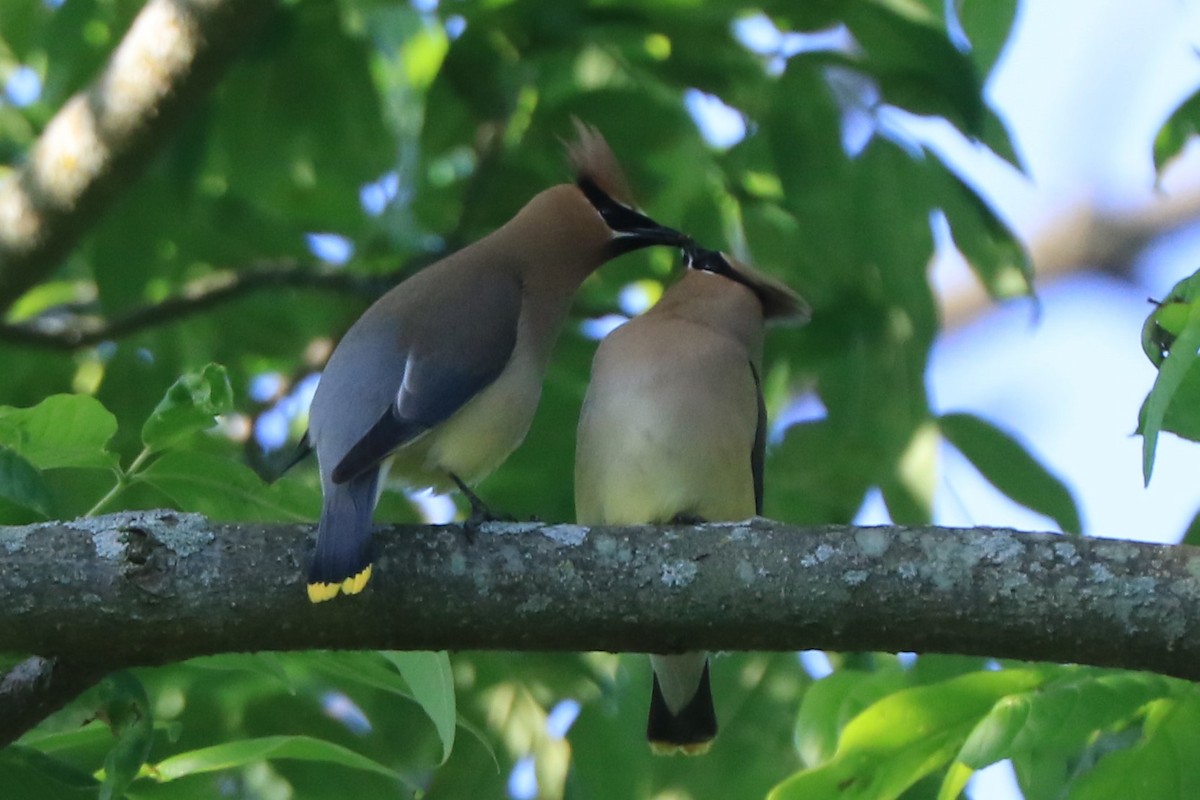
(673, 426)
(442, 375)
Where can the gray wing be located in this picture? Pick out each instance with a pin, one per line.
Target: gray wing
(450, 360)
(757, 455)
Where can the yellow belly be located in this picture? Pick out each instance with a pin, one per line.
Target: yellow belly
(475, 440)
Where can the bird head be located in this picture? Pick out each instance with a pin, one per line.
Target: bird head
(599, 177)
(779, 301)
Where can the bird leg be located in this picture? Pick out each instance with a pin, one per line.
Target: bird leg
(480, 512)
(687, 518)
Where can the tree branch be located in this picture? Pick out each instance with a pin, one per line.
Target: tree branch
(153, 587)
(174, 52)
(56, 331)
(36, 688)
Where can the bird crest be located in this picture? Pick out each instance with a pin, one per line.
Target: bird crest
(593, 160)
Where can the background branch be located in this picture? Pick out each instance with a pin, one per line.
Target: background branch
(36, 688)
(172, 55)
(58, 331)
(152, 587)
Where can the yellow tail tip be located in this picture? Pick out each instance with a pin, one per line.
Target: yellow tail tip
(320, 592)
(674, 748)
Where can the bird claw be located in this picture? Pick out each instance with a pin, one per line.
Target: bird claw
(480, 514)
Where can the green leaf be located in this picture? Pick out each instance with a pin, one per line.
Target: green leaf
(27, 772)
(988, 26)
(988, 244)
(955, 781)
(1192, 534)
(64, 430)
(370, 669)
(190, 405)
(917, 66)
(1163, 765)
(906, 736)
(1181, 126)
(268, 663)
(249, 751)
(832, 702)
(429, 676)
(224, 489)
(1168, 319)
(22, 484)
(1171, 378)
(126, 709)
(1010, 468)
(1062, 715)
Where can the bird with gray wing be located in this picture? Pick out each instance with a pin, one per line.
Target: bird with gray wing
(440, 378)
(673, 428)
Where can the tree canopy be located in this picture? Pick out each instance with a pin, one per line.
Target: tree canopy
(198, 197)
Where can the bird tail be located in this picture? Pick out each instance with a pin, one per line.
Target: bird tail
(682, 718)
(342, 561)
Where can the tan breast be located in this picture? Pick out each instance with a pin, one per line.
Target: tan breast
(667, 428)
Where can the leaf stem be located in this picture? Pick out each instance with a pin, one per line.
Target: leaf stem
(124, 478)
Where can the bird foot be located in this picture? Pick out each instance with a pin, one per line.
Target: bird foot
(480, 512)
(685, 518)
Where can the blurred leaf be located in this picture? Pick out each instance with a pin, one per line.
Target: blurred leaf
(190, 405)
(228, 490)
(28, 773)
(906, 736)
(1161, 765)
(22, 484)
(989, 246)
(1175, 133)
(917, 67)
(957, 777)
(988, 27)
(269, 664)
(1061, 715)
(832, 702)
(1008, 466)
(1170, 387)
(248, 751)
(372, 669)
(432, 682)
(64, 430)
(1192, 534)
(756, 696)
(126, 709)
(997, 137)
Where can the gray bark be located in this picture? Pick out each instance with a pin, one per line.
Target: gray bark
(143, 588)
(152, 587)
(174, 52)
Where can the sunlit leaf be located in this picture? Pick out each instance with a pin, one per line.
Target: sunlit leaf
(905, 736)
(248, 751)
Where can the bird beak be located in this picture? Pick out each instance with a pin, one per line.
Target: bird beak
(633, 231)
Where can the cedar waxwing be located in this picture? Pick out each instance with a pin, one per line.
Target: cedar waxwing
(673, 428)
(442, 375)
